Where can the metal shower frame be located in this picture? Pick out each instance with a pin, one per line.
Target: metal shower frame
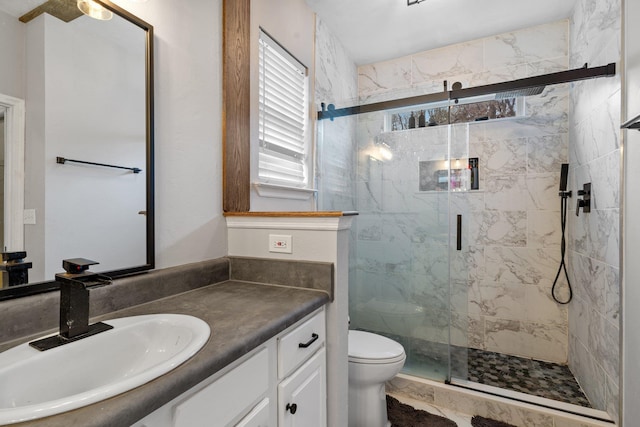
(512, 88)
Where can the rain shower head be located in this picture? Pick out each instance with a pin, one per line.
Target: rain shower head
(529, 91)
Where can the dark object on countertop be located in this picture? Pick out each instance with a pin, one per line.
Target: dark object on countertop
(478, 421)
(74, 304)
(13, 270)
(402, 415)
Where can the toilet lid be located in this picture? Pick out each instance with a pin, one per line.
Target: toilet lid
(365, 346)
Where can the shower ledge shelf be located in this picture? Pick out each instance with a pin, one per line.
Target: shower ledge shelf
(445, 191)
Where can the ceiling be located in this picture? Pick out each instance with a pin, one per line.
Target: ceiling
(19, 8)
(377, 30)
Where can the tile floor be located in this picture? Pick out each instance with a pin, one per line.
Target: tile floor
(463, 420)
(544, 379)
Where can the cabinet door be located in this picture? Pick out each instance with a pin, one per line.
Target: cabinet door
(258, 417)
(228, 398)
(302, 400)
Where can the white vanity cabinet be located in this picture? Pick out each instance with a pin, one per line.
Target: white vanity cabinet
(302, 375)
(280, 383)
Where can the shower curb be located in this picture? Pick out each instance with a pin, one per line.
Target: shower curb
(472, 402)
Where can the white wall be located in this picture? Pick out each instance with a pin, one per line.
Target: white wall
(12, 38)
(188, 94)
(188, 109)
(292, 24)
(88, 208)
(34, 180)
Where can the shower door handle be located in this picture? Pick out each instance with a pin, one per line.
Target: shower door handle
(459, 233)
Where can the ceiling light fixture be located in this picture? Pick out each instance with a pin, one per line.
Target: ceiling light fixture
(412, 2)
(94, 10)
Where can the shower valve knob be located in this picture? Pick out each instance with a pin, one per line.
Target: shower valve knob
(585, 202)
(580, 204)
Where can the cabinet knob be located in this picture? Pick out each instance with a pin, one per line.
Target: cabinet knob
(291, 407)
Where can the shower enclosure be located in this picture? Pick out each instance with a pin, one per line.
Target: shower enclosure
(457, 241)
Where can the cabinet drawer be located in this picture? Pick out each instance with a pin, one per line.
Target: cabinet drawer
(298, 345)
(228, 397)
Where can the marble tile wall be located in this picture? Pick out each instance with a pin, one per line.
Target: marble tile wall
(336, 143)
(336, 83)
(594, 155)
(501, 282)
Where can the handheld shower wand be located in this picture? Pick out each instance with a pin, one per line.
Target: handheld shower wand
(564, 177)
(564, 195)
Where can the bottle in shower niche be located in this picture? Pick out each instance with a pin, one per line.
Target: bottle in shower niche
(465, 184)
(412, 121)
(421, 119)
(473, 171)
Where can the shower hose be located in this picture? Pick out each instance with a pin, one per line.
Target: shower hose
(563, 266)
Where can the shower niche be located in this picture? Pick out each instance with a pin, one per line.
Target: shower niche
(435, 175)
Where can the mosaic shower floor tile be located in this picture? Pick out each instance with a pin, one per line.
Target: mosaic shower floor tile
(543, 379)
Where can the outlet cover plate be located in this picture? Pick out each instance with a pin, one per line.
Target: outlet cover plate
(29, 216)
(280, 243)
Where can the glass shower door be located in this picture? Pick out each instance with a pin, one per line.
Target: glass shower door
(407, 176)
(463, 188)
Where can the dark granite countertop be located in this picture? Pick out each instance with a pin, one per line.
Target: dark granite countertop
(242, 315)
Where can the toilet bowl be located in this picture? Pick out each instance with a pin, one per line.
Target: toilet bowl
(373, 360)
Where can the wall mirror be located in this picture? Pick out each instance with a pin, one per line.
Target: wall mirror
(77, 104)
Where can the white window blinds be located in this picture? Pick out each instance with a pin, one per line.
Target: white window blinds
(283, 82)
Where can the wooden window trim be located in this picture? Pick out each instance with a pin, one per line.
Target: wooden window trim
(236, 116)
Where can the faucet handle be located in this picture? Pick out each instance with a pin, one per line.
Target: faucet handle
(77, 265)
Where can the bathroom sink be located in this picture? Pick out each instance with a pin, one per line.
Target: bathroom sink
(37, 384)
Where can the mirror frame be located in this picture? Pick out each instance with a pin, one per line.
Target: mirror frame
(39, 287)
(14, 170)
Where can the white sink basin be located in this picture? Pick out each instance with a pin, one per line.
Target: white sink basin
(36, 384)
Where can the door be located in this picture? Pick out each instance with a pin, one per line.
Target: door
(302, 396)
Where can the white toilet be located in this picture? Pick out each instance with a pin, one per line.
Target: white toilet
(373, 360)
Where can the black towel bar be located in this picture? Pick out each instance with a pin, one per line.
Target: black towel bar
(63, 160)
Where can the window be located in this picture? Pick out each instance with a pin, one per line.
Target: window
(479, 109)
(283, 119)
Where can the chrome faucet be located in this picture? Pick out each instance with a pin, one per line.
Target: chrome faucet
(74, 304)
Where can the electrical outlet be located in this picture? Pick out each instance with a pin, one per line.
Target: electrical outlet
(29, 216)
(280, 243)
